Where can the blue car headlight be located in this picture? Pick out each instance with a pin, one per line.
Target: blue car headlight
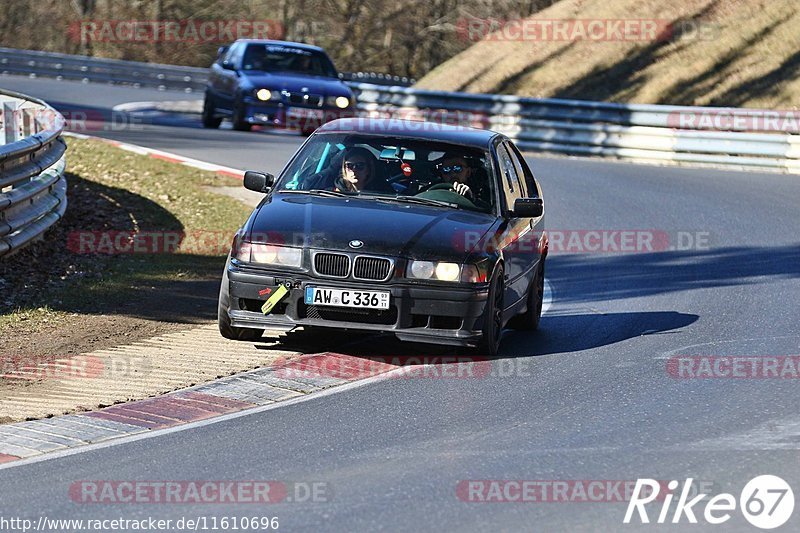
(266, 95)
(342, 102)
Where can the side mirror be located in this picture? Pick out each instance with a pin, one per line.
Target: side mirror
(258, 181)
(227, 65)
(528, 207)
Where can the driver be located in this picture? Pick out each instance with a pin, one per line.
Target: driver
(455, 170)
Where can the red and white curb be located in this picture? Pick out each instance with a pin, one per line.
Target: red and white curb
(165, 156)
(290, 379)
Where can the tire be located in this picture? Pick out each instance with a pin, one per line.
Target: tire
(529, 320)
(224, 321)
(493, 320)
(236, 334)
(208, 118)
(239, 123)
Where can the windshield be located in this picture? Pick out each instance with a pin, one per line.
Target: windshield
(391, 168)
(276, 58)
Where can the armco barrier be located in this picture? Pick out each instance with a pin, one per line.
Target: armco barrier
(165, 77)
(628, 131)
(33, 189)
(637, 132)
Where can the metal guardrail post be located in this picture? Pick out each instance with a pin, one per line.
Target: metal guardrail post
(10, 123)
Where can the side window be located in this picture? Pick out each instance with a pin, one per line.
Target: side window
(524, 172)
(511, 185)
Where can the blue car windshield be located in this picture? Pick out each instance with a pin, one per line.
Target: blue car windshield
(277, 58)
(385, 166)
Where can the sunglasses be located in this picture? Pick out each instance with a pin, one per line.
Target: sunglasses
(355, 166)
(451, 169)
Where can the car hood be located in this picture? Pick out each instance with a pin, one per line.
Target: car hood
(296, 83)
(384, 228)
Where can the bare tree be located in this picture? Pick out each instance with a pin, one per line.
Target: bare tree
(407, 37)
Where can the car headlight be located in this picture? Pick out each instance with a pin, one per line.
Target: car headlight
(421, 269)
(441, 271)
(447, 271)
(269, 254)
(342, 102)
(265, 95)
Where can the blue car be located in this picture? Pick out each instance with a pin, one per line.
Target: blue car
(275, 83)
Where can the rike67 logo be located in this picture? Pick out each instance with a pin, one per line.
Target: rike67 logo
(766, 502)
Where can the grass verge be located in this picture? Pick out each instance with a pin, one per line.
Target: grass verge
(54, 286)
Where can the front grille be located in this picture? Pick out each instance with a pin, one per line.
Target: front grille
(334, 265)
(386, 317)
(372, 268)
(313, 100)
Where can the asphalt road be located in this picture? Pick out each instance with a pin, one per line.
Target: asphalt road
(588, 397)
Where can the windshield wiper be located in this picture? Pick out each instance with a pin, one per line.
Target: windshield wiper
(421, 201)
(319, 192)
(325, 192)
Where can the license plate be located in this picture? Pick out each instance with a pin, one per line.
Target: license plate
(347, 298)
(301, 112)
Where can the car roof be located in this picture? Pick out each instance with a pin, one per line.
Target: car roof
(412, 129)
(303, 46)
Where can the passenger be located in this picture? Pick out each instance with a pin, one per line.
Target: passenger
(359, 173)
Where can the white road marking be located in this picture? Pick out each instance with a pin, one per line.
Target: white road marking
(547, 299)
(179, 159)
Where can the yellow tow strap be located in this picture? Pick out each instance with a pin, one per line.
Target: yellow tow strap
(274, 299)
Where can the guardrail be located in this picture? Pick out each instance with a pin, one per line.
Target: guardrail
(637, 132)
(720, 136)
(33, 189)
(135, 73)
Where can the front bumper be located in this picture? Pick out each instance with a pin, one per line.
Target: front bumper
(289, 116)
(440, 315)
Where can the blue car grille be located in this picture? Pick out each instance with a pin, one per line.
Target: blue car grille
(312, 100)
